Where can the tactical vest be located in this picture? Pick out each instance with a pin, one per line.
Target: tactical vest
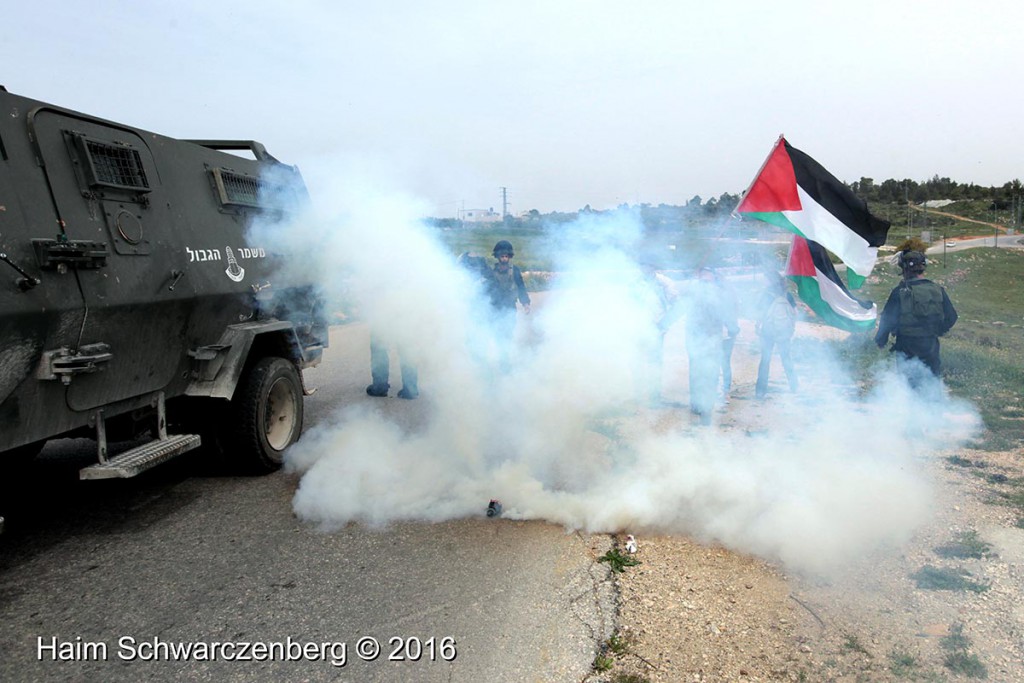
(921, 311)
(503, 288)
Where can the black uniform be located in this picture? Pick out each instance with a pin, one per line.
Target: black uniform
(918, 312)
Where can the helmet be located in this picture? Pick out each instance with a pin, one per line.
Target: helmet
(503, 247)
(913, 261)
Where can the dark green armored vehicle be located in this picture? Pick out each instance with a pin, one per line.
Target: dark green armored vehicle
(133, 305)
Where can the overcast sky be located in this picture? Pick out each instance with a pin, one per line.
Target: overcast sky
(565, 103)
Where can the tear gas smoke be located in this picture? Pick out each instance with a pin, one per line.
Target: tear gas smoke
(564, 435)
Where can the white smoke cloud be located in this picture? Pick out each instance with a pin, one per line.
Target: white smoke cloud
(811, 479)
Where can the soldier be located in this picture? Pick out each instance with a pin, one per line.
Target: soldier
(506, 287)
(918, 312)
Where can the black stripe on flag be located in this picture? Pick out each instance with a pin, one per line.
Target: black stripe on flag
(837, 198)
(823, 264)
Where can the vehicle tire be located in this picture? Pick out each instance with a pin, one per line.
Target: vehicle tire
(265, 416)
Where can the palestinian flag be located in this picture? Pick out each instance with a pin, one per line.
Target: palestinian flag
(794, 192)
(819, 286)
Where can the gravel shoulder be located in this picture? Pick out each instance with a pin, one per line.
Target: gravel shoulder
(693, 612)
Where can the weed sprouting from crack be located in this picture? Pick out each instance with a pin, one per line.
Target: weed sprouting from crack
(617, 561)
(603, 662)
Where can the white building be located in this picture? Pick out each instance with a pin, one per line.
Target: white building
(480, 216)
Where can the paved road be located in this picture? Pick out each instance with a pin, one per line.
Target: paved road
(180, 555)
(1002, 241)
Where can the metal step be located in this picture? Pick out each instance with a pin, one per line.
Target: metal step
(141, 458)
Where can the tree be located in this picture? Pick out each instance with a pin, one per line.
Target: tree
(865, 187)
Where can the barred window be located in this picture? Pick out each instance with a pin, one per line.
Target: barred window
(238, 189)
(115, 166)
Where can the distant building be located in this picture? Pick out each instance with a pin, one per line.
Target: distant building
(480, 215)
(937, 203)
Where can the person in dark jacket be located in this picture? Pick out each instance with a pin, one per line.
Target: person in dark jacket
(505, 288)
(917, 312)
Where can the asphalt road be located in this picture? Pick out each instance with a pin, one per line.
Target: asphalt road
(111, 580)
(1004, 241)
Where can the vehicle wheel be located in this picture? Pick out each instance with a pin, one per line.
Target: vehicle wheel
(265, 415)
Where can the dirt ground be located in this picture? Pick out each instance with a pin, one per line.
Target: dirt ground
(690, 612)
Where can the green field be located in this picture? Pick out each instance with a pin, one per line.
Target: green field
(984, 354)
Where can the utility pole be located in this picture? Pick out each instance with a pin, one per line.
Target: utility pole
(504, 202)
(910, 213)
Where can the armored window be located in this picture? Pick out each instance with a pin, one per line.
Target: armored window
(238, 189)
(114, 165)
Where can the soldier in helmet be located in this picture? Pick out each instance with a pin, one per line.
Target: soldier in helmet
(918, 312)
(505, 287)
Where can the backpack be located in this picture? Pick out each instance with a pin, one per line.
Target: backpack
(780, 319)
(921, 311)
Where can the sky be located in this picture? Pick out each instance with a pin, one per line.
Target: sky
(563, 102)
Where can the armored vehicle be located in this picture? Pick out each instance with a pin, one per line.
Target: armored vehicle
(133, 305)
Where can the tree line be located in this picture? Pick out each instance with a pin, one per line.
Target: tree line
(894, 191)
(697, 211)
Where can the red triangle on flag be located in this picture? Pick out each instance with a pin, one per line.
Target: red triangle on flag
(774, 189)
(800, 263)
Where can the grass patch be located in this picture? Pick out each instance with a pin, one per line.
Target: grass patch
(603, 662)
(964, 462)
(965, 664)
(617, 561)
(616, 647)
(618, 644)
(853, 644)
(982, 355)
(1014, 498)
(956, 640)
(528, 241)
(966, 544)
(902, 664)
(941, 579)
(958, 659)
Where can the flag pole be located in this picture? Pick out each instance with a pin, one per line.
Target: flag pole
(782, 137)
